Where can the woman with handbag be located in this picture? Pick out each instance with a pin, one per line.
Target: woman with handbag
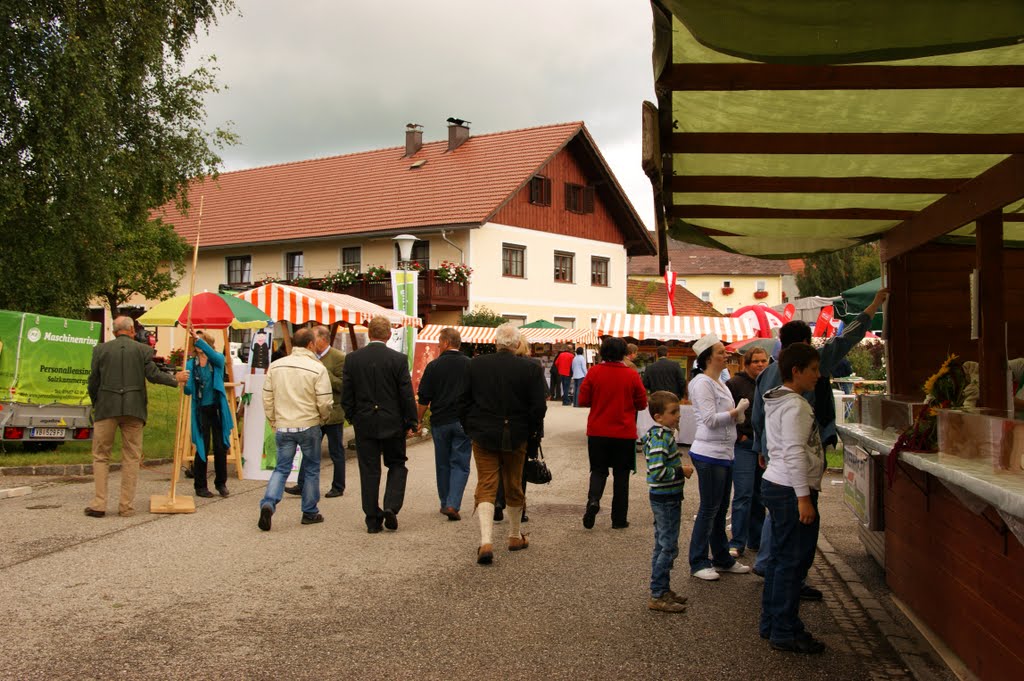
(502, 407)
(712, 454)
(614, 393)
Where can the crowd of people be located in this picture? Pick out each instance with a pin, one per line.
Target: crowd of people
(760, 438)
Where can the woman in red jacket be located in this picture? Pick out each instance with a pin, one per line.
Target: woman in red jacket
(614, 394)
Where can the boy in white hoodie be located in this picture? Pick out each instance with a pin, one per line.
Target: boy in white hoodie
(790, 493)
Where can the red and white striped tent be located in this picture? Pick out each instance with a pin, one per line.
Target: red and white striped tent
(679, 328)
(485, 334)
(300, 305)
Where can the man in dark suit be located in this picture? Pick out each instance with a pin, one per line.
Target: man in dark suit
(377, 396)
(117, 388)
(665, 374)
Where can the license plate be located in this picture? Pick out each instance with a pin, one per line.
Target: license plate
(48, 432)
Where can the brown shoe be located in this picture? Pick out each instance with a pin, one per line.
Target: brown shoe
(93, 513)
(518, 543)
(665, 603)
(452, 513)
(485, 554)
(676, 597)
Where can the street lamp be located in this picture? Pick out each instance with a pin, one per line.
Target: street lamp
(405, 242)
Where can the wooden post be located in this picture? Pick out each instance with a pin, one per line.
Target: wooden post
(992, 391)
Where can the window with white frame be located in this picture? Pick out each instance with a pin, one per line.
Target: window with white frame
(728, 310)
(513, 260)
(515, 320)
(352, 258)
(761, 284)
(598, 271)
(567, 322)
(564, 266)
(727, 284)
(293, 265)
(705, 296)
(239, 270)
(681, 282)
(420, 254)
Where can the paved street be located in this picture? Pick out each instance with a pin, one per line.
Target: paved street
(210, 596)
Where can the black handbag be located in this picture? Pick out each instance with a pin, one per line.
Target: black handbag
(535, 471)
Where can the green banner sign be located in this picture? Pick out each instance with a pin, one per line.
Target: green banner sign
(45, 359)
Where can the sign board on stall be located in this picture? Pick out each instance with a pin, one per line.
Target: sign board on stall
(857, 482)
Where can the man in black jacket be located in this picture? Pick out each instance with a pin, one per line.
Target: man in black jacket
(665, 374)
(377, 397)
(502, 407)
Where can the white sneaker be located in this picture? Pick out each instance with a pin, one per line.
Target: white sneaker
(707, 574)
(737, 568)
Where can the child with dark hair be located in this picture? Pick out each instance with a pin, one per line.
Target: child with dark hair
(666, 475)
(790, 492)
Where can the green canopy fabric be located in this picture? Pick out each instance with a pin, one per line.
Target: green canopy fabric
(720, 125)
(541, 324)
(854, 300)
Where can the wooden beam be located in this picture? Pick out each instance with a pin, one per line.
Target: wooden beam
(815, 185)
(992, 391)
(845, 143)
(755, 212)
(731, 77)
(998, 186)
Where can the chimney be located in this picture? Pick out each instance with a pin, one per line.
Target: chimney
(413, 138)
(458, 132)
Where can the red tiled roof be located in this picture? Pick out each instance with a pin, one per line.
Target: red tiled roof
(688, 259)
(652, 295)
(373, 191)
(797, 265)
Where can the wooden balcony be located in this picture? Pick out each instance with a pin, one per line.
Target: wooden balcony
(434, 294)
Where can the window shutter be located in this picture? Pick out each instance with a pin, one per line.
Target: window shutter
(588, 199)
(546, 191)
(568, 197)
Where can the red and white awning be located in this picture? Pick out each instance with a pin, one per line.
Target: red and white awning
(679, 328)
(300, 305)
(484, 334)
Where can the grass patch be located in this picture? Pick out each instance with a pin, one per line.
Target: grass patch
(834, 457)
(157, 437)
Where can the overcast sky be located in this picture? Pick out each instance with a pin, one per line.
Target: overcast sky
(315, 78)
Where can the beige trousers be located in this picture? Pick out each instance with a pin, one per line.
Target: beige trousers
(509, 465)
(131, 455)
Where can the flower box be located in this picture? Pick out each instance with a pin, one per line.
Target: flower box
(760, 294)
(727, 290)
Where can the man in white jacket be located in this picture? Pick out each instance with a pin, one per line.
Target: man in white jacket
(790, 492)
(297, 399)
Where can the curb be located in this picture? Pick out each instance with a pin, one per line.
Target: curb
(910, 650)
(72, 469)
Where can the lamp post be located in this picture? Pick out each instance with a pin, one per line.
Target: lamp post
(404, 291)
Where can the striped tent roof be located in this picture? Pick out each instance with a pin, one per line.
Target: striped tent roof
(485, 334)
(300, 305)
(665, 328)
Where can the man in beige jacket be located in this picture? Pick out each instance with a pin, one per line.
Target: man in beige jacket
(297, 400)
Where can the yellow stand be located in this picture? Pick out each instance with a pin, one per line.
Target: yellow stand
(172, 503)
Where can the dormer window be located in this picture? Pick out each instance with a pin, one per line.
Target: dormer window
(579, 199)
(540, 190)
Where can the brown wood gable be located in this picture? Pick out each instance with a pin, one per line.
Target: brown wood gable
(563, 169)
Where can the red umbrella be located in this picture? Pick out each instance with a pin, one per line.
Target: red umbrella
(762, 318)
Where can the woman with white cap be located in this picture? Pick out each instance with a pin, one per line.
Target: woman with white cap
(712, 455)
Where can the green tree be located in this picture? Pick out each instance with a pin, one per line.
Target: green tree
(482, 316)
(148, 260)
(829, 274)
(100, 123)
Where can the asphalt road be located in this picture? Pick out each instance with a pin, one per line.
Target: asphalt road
(209, 596)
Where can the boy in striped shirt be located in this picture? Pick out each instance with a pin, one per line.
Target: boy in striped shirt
(666, 474)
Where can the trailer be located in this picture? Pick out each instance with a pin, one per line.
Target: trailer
(44, 373)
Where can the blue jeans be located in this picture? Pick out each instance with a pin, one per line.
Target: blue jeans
(666, 542)
(791, 557)
(309, 440)
(452, 453)
(576, 391)
(747, 509)
(566, 390)
(764, 552)
(714, 483)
